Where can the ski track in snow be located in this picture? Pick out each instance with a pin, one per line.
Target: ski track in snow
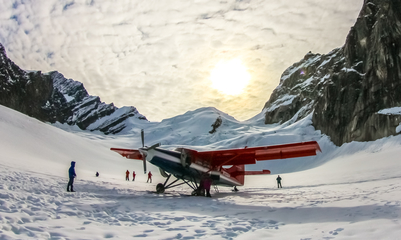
(37, 206)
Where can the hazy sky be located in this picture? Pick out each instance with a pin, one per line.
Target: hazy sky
(158, 55)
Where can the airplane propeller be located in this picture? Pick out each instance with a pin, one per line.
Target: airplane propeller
(143, 154)
(146, 149)
(143, 138)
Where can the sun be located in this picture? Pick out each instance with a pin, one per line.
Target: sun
(230, 77)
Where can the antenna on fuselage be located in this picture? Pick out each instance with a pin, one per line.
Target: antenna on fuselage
(143, 138)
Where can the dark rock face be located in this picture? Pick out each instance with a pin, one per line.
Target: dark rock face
(346, 88)
(53, 98)
(216, 125)
(23, 91)
(300, 86)
(371, 80)
(71, 103)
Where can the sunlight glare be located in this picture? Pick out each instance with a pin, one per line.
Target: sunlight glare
(230, 77)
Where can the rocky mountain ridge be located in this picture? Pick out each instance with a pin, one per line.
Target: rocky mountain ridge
(346, 89)
(53, 98)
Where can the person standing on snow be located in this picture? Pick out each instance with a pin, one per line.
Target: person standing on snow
(127, 175)
(201, 189)
(149, 177)
(279, 182)
(71, 175)
(207, 182)
(133, 175)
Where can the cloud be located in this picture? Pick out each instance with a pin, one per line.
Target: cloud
(157, 55)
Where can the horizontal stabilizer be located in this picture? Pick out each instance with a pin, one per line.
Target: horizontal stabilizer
(257, 172)
(237, 173)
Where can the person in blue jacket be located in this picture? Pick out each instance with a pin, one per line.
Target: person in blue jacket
(71, 175)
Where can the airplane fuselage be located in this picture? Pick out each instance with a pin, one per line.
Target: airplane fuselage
(170, 161)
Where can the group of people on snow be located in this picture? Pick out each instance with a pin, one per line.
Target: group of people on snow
(72, 175)
(204, 184)
(127, 175)
(134, 174)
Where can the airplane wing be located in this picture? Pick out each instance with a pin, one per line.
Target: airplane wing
(251, 155)
(128, 153)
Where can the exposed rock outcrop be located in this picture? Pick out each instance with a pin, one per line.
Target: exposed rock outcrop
(346, 88)
(70, 103)
(216, 125)
(53, 98)
(23, 91)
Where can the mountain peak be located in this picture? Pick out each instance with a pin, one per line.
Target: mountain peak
(53, 98)
(346, 88)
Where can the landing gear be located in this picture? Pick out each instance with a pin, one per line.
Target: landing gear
(216, 189)
(160, 188)
(198, 192)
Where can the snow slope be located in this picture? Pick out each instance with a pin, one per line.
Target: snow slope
(351, 192)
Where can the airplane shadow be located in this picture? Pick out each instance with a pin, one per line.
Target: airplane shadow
(249, 204)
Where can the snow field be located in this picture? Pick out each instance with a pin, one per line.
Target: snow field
(351, 192)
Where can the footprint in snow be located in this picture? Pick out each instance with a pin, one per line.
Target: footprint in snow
(335, 232)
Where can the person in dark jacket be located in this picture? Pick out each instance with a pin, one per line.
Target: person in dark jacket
(71, 175)
(201, 189)
(127, 175)
(97, 174)
(279, 182)
(207, 182)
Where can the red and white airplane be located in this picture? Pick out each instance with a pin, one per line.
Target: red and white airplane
(191, 166)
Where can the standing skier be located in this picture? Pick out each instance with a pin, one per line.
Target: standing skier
(133, 175)
(71, 175)
(279, 182)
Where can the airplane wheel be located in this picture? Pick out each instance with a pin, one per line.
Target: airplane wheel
(160, 188)
(198, 192)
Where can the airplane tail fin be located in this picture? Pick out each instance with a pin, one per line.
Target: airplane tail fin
(238, 172)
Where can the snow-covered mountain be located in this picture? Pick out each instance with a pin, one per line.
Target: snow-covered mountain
(76, 107)
(345, 92)
(52, 98)
(193, 128)
(347, 88)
